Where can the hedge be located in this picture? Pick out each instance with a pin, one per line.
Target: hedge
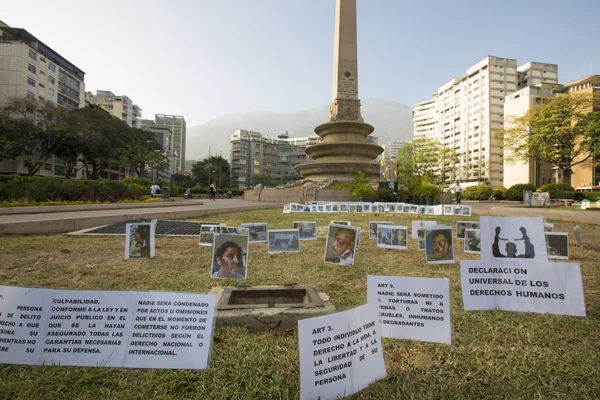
(478, 193)
(42, 189)
(577, 196)
(554, 188)
(515, 192)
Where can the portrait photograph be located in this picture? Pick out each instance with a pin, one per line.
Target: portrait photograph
(206, 234)
(343, 207)
(341, 246)
(257, 231)
(367, 208)
(421, 210)
(307, 208)
(230, 256)
(373, 228)
(462, 225)
(406, 209)
(327, 207)
(359, 208)
(335, 207)
(139, 240)
(284, 241)
(466, 211)
(557, 245)
(416, 224)
(438, 245)
(413, 209)
(392, 237)
(472, 241)
(392, 208)
(321, 208)
(306, 230)
(457, 210)
(380, 208)
(448, 210)
(314, 208)
(286, 209)
(513, 237)
(421, 239)
(351, 208)
(548, 227)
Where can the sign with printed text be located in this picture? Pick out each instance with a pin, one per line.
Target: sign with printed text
(412, 308)
(512, 237)
(105, 328)
(340, 353)
(523, 285)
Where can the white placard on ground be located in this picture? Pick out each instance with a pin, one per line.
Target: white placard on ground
(105, 328)
(512, 237)
(23, 318)
(522, 285)
(412, 308)
(416, 224)
(340, 353)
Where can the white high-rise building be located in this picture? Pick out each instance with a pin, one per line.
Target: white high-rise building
(121, 107)
(470, 110)
(391, 148)
(177, 125)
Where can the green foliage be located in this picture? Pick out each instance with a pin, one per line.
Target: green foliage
(577, 196)
(562, 132)
(214, 168)
(71, 203)
(424, 158)
(165, 183)
(478, 193)
(591, 196)
(515, 192)
(499, 192)
(182, 180)
(43, 189)
(554, 188)
(386, 194)
(363, 190)
(134, 180)
(265, 180)
(402, 195)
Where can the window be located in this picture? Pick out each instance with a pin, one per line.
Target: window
(50, 92)
(30, 82)
(42, 59)
(51, 67)
(31, 95)
(31, 68)
(40, 84)
(32, 55)
(51, 79)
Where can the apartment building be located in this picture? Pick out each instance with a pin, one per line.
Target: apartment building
(581, 176)
(470, 110)
(391, 148)
(424, 119)
(164, 137)
(177, 125)
(30, 68)
(121, 106)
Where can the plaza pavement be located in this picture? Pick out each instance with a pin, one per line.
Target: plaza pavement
(62, 219)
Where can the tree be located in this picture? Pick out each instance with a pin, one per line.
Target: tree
(263, 179)
(182, 180)
(106, 140)
(214, 168)
(145, 153)
(424, 158)
(564, 133)
(32, 130)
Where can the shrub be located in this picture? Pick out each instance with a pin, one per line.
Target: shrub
(591, 196)
(554, 188)
(499, 192)
(577, 196)
(165, 183)
(134, 180)
(478, 193)
(363, 190)
(515, 192)
(402, 194)
(385, 194)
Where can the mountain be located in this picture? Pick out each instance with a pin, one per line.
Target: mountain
(392, 121)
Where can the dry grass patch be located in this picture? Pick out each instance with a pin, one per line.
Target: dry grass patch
(494, 354)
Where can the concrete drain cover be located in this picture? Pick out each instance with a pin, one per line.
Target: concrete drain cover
(173, 228)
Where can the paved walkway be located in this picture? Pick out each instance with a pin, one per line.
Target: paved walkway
(517, 210)
(70, 221)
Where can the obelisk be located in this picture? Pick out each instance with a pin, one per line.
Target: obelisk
(344, 150)
(345, 105)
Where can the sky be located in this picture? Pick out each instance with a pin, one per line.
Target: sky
(206, 58)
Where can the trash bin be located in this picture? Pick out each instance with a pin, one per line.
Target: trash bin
(166, 193)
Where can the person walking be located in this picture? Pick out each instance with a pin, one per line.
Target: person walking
(213, 191)
(457, 192)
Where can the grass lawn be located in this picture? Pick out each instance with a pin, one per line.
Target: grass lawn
(494, 354)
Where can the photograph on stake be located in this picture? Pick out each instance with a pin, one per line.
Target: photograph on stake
(257, 232)
(416, 224)
(342, 243)
(139, 240)
(207, 233)
(438, 245)
(557, 245)
(373, 228)
(472, 241)
(284, 241)
(230, 256)
(392, 237)
(307, 230)
(462, 225)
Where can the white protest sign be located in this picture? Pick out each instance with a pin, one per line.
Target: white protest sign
(512, 237)
(104, 328)
(340, 353)
(523, 285)
(412, 308)
(416, 224)
(88, 328)
(171, 330)
(23, 318)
